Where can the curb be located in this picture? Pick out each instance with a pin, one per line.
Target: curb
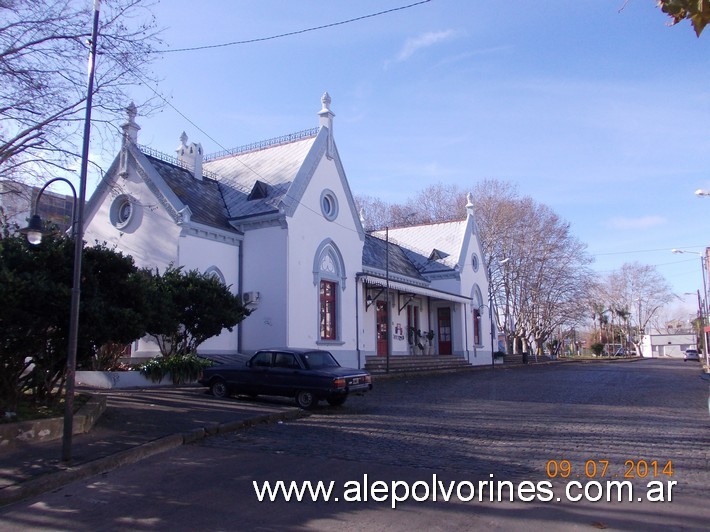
(52, 481)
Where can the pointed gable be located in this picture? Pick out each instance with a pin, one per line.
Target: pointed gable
(260, 190)
(274, 163)
(434, 248)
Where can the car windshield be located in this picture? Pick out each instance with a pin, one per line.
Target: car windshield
(319, 360)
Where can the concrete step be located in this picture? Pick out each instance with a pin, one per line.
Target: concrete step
(517, 358)
(416, 364)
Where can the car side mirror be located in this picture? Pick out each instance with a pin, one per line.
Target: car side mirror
(248, 364)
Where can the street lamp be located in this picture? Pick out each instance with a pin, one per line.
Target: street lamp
(704, 307)
(35, 228)
(34, 236)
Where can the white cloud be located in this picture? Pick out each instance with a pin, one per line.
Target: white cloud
(644, 222)
(411, 46)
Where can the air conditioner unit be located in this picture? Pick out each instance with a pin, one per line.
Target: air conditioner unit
(250, 297)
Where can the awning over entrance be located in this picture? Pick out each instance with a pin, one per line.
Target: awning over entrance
(412, 289)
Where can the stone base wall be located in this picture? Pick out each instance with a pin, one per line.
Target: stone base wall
(23, 432)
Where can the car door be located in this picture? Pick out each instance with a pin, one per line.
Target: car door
(286, 374)
(257, 376)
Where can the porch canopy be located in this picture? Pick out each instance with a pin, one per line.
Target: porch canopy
(413, 289)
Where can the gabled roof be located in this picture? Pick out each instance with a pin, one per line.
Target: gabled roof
(275, 163)
(431, 248)
(254, 180)
(374, 256)
(202, 196)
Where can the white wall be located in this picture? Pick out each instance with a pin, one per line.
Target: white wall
(152, 236)
(264, 264)
(307, 230)
(201, 254)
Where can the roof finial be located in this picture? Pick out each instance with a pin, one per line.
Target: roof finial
(469, 204)
(325, 100)
(362, 217)
(130, 128)
(326, 120)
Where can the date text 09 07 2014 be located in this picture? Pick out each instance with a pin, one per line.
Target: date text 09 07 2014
(600, 469)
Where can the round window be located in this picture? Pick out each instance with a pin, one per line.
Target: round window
(474, 262)
(124, 212)
(329, 205)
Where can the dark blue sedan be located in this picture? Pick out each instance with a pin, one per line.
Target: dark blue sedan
(308, 375)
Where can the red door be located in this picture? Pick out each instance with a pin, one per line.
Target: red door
(443, 318)
(381, 329)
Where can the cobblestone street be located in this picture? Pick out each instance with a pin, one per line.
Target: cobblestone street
(513, 421)
(561, 423)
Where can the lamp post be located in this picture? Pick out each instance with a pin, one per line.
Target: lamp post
(490, 316)
(704, 306)
(35, 228)
(34, 237)
(387, 296)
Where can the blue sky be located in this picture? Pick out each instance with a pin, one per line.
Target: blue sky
(595, 108)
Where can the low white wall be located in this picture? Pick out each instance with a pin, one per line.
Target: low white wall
(117, 379)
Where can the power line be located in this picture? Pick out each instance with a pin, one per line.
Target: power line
(291, 33)
(287, 194)
(631, 252)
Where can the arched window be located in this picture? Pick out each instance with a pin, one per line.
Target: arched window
(477, 308)
(214, 271)
(329, 277)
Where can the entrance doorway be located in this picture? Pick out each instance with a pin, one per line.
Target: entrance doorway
(381, 317)
(443, 319)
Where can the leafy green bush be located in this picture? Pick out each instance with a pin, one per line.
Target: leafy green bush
(180, 368)
(597, 348)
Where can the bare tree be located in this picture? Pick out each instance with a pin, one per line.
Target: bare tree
(640, 292)
(539, 272)
(436, 203)
(374, 212)
(43, 58)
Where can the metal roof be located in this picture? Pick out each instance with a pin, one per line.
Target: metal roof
(275, 166)
(432, 248)
(374, 255)
(202, 196)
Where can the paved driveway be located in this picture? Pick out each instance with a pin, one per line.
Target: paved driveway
(643, 421)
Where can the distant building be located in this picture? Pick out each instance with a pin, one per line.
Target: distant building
(667, 345)
(18, 201)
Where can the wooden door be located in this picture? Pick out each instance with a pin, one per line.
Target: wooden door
(381, 329)
(443, 318)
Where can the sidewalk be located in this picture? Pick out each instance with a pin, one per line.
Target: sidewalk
(135, 424)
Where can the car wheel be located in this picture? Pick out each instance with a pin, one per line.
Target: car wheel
(337, 401)
(219, 388)
(306, 399)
